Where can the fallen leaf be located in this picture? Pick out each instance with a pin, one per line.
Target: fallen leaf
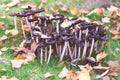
(116, 37)
(13, 3)
(3, 37)
(100, 56)
(2, 25)
(30, 79)
(0, 42)
(12, 31)
(113, 74)
(17, 63)
(26, 28)
(20, 57)
(64, 9)
(44, 1)
(99, 11)
(74, 11)
(66, 24)
(106, 20)
(30, 56)
(114, 64)
(112, 8)
(106, 78)
(48, 74)
(72, 75)
(84, 75)
(114, 32)
(54, 11)
(4, 49)
(63, 73)
(34, 46)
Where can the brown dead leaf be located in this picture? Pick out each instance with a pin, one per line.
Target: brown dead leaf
(0, 42)
(99, 11)
(54, 11)
(20, 49)
(17, 63)
(20, 57)
(26, 28)
(64, 8)
(2, 25)
(100, 56)
(74, 11)
(106, 78)
(30, 79)
(116, 37)
(114, 32)
(48, 75)
(63, 73)
(114, 64)
(72, 75)
(30, 56)
(34, 46)
(5, 78)
(114, 73)
(44, 1)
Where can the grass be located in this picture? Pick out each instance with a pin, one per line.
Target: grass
(26, 71)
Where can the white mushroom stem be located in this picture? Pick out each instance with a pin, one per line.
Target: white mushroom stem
(91, 49)
(100, 67)
(63, 52)
(102, 45)
(41, 55)
(15, 22)
(93, 41)
(70, 52)
(46, 52)
(85, 46)
(57, 26)
(102, 75)
(50, 52)
(23, 31)
(79, 48)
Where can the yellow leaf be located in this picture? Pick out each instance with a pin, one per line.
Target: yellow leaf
(84, 75)
(74, 11)
(100, 56)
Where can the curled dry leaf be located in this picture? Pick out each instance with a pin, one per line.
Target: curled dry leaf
(114, 32)
(5, 78)
(63, 73)
(74, 11)
(100, 56)
(17, 63)
(72, 75)
(114, 64)
(116, 37)
(106, 20)
(48, 74)
(20, 57)
(99, 11)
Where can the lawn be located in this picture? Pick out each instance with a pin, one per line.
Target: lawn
(26, 71)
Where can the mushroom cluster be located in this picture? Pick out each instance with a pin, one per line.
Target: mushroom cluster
(71, 39)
